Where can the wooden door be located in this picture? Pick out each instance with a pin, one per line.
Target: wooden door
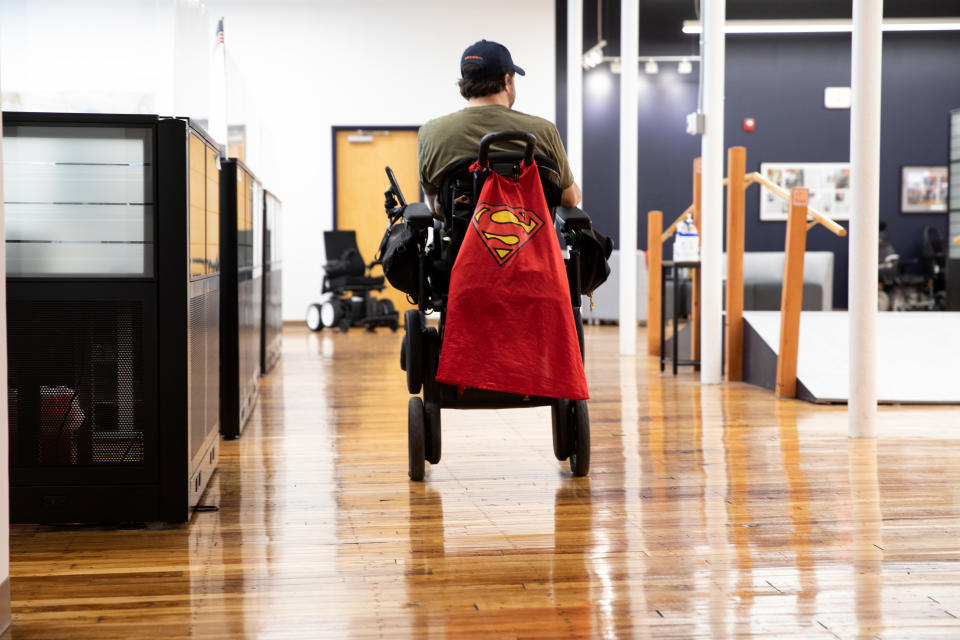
(360, 160)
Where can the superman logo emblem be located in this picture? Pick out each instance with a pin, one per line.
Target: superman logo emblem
(503, 229)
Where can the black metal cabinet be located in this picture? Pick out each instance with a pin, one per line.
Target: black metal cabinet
(272, 341)
(111, 413)
(241, 303)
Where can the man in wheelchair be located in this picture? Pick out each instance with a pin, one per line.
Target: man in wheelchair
(487, 83)
(484, 256)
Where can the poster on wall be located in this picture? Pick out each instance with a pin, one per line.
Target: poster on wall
(923, 190)
(828, 182)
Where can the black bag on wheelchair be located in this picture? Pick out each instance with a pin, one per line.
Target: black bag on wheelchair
(595, 250)
(400, 258)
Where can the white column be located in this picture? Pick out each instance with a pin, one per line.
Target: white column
(629, 113)
(865, 205)
(713, 15)
(4, 426)
(575, 89)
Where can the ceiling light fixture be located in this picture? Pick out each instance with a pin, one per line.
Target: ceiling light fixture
(684, 67)
(594, 55)
(651, 67)
(826, 26)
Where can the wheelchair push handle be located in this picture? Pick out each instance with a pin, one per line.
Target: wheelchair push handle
(503, 136)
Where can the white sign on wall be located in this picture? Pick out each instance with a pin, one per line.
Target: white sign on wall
(828, 182)
(836, 97)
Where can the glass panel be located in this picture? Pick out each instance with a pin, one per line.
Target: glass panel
(955, 185)
(955, 135)
(198, 207)
(271, 233)
(257, 220)
(954, 231)
(79, 200)
(244, 259)
(213, 212)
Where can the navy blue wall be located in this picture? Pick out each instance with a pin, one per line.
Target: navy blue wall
(779, 81)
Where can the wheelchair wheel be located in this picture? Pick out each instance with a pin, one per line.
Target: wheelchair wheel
(580, 438)
(560, 414)
(331, 313)
(414, 357)
(416, 438)
(313, 318)
(403, 353)
(432, 450)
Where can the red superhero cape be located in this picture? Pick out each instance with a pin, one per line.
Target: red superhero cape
(509, 324)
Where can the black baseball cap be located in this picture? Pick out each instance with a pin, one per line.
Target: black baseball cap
(492, 58)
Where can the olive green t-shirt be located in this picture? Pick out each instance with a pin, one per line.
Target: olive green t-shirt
(446, 140)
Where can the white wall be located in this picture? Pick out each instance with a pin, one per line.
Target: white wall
(362, 62)
(295, 68)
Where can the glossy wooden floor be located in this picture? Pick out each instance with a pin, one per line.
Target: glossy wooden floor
(709, 512)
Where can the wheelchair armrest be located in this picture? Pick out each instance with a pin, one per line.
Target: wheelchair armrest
(418, 215)
(573, 219)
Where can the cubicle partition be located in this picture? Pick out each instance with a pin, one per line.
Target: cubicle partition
(271, 342)
(241, 235)
(112, 282)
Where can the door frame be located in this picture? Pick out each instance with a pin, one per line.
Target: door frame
(334, 130)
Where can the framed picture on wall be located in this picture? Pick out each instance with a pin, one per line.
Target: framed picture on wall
(923, 189)
(828, 182)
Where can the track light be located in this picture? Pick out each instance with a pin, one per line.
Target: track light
(615, 66)
(684, 67)
(594, 55)
(826, 26)
(651, 67)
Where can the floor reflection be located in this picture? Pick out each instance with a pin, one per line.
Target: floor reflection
(798, 499)
(867, 537)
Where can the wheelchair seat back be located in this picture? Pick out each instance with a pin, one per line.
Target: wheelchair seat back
(458, 191)
(343, 254)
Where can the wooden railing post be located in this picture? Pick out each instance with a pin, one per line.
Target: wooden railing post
(736, 172)
(654, 259)
(791, 298)
(695, 273)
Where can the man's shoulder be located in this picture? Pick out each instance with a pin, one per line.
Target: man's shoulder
(442, 122)
(534, 121)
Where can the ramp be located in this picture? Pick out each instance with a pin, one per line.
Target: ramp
(918, 355)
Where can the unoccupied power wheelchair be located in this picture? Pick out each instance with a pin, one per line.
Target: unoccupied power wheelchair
(436, 246)
(349, 288)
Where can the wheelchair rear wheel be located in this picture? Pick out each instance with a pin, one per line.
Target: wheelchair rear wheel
(580, 438)
(416, 438)
(560, 417)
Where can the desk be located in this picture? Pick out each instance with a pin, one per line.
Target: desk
(674, 270)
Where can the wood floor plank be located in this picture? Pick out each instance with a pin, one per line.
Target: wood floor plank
(709, 512)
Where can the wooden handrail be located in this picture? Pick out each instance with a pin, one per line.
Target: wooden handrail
(673, 227)
(818, 218)
(956, 240)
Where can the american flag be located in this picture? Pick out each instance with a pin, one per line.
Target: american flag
(220, 31)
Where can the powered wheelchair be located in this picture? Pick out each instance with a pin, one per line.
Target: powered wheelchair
(431, 249)
(349, 288)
